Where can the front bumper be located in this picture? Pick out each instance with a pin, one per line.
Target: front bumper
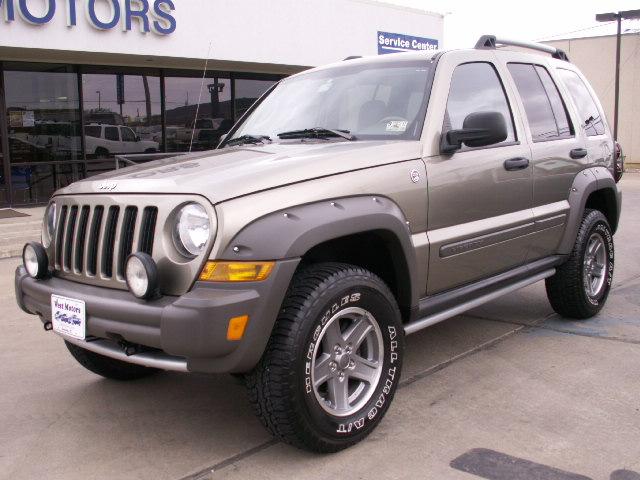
(182, 333)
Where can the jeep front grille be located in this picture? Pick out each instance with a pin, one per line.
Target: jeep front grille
(95, 240)
(96, 233)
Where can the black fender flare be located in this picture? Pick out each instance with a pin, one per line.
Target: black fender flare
(584, 184)
(290, 233)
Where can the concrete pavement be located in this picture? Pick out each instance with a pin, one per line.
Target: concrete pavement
(509, 377)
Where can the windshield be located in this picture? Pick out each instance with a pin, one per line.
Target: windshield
(375, 101)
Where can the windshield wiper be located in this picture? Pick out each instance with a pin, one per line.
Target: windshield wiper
(317, 132)
(248, 139)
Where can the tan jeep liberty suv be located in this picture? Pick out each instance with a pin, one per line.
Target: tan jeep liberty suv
(352, 205)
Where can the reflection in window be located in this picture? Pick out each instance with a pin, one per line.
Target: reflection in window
(587, 109)
(371, 102)
(546, 115)
(475, 87)
(43, 123)
(113, 104)
(247, 92)
(197, 127)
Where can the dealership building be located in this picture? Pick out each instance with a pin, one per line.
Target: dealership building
(82, 81)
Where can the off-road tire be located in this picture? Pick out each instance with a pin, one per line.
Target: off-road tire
(280, 387)
(566, 289)
(108, 367)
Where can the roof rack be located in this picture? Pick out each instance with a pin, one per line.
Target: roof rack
(352, 57)
(491, 41)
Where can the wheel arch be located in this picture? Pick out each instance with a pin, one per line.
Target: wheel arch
(368, 231)
(592, 188)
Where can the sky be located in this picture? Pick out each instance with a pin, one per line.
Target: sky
(465, 21)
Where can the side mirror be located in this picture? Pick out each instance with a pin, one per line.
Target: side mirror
(478, 130)
(137, 138)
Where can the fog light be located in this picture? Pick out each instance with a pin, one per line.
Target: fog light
(142, 275)
(236, 271)
(35, 260)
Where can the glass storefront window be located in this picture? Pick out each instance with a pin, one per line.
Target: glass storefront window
(193, 127)
(46, 122)
(122, 115)
(247, 92)
(4, 195)
(43, 125)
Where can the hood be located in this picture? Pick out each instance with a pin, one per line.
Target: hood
(220, 175)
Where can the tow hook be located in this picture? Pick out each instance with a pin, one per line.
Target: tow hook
(128, 348)
(48, 326)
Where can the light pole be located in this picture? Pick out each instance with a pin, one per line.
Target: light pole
(99, 99)
(617, 17)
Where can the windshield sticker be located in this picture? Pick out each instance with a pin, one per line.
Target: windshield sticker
(397, 126)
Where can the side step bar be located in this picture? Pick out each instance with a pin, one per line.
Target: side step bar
(429, 320)
(109, 349)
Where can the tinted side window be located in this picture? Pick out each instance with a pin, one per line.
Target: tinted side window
(127, 135)
(587, 109)
(559, 109)
(542, 103)
(92, 131)
(476, 87)
(111, 133)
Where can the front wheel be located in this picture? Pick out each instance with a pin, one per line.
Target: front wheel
(333, 361)
(581, 285)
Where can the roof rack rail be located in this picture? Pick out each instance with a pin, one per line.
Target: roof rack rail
(491, 41)
(352, 57)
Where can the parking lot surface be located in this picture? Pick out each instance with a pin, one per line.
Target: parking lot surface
(507, 389)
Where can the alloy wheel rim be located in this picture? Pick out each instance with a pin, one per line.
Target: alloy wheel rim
(347, 361)
(594, 265)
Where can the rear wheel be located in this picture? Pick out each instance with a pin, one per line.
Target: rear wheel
(580, 287)
(333, 361)
(108, 367)
(102, 153)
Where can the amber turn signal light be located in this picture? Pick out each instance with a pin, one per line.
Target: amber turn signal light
(236, 271)
(236, 328)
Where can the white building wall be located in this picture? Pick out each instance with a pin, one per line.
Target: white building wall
(284, 32)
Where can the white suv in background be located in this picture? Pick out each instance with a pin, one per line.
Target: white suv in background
(104, 140)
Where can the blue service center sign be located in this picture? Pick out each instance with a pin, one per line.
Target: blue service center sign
(398, 42)
(151, 15)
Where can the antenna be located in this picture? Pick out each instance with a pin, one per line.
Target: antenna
(204, 74)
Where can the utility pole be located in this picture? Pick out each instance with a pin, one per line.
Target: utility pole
(617, 17)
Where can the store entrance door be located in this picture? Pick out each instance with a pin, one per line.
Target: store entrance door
(43, 126)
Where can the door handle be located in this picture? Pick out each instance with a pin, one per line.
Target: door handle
(578, 153)
(519, 163)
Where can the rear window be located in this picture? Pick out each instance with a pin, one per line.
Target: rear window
(92, 131)
(543, 105)
(590, 117)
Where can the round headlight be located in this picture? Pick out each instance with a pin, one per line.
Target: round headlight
(192, 231)
(49, 224)
(141, 274)
(34, 258)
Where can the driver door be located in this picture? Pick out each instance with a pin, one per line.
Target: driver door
(480, 199)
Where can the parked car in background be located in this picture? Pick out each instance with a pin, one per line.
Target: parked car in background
(105, 140)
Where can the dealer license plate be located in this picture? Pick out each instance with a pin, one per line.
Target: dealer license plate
(68, 316)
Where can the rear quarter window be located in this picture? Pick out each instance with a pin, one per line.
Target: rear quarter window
(93, 131)
(590, 117)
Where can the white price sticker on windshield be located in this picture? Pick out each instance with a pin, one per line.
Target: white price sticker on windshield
(397, 126)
